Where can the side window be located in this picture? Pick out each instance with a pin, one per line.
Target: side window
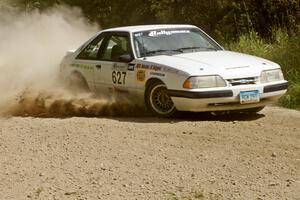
(116, 46)
(91, 51)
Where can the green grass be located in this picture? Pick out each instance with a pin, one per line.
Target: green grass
(194, 195)
(284, 50)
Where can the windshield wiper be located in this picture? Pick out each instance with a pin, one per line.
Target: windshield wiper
(160, 51)
(194, 48)
(180, 50)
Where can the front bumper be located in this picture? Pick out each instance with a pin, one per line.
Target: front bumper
(227, 99)
(200, 95)
(276, 87)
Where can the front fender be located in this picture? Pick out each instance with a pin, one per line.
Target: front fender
(171, 77)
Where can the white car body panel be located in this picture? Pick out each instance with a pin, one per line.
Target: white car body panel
(229, 65)
(173, 70)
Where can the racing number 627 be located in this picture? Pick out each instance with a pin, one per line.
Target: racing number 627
(118, 77)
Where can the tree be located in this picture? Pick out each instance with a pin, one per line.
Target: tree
(224, 19)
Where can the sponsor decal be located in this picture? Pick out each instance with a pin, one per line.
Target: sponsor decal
(141, 75)
(157, 74)
(157, 68)
(119, 77)
(167, 32)
(130, 67)
(138, 34)
(170, 70)
(174, 71)
(149, 67)
(82, 66)
(117, 67)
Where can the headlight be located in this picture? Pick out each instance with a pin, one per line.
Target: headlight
(271, 76)
(204, 82)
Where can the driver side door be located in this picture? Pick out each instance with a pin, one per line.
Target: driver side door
(115, 75)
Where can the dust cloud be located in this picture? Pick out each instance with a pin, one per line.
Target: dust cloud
(31, 48)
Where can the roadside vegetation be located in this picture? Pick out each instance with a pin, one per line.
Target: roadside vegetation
(282, 49)
(194, 195)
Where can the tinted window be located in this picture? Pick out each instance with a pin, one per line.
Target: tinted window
(167, 41)
(91, 52)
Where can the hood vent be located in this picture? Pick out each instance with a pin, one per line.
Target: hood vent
(240, 67)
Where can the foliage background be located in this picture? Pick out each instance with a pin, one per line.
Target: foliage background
(224, 19)
(267, 28)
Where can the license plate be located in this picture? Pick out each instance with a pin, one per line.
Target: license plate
(249, 97)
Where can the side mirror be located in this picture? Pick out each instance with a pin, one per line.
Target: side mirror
(127, 58)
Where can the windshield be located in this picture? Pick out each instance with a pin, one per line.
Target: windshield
(172, 41)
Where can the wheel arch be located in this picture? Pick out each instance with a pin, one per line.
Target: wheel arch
(78, 74)
(152, 80)
(149, 82)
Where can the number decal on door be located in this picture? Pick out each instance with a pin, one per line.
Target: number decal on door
(119, 77)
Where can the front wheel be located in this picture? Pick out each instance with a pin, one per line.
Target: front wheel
(158, 101)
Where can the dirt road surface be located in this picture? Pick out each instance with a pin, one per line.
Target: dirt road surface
(195, 156)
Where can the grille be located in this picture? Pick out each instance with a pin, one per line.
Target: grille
(242, 81)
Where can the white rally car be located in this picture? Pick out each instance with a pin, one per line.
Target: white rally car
(173, 68)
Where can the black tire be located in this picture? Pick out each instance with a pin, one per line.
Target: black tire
(158, 101)
(77, 84)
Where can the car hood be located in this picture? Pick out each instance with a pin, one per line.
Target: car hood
(225, 63)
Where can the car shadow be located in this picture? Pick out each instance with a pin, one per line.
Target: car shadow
(191, 117)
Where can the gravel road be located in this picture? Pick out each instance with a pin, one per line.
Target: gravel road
(195, 156)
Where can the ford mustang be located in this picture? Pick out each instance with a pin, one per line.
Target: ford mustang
(171, 68)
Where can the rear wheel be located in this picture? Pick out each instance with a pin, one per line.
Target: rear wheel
(77, 84)
(158, 101)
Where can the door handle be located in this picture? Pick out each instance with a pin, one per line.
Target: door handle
(98, 66)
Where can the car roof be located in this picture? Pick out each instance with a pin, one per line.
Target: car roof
(139, 28)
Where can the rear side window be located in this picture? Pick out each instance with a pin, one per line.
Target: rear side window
(92, 50)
